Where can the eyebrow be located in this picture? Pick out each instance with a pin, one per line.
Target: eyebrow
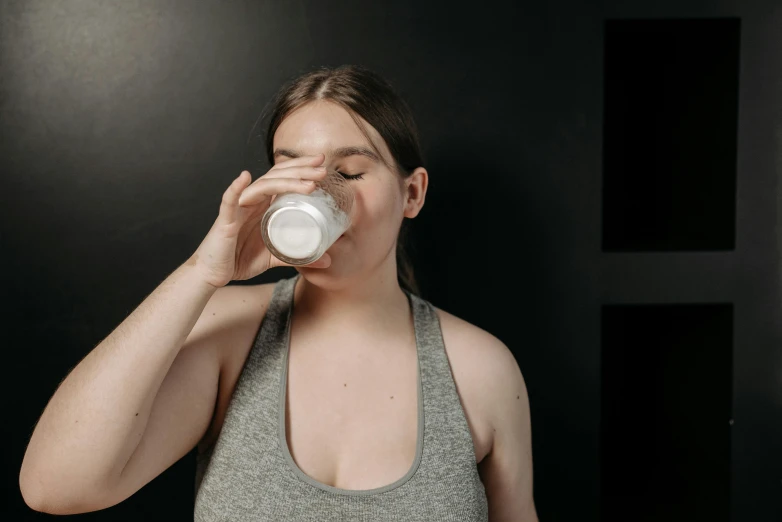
(342, 152)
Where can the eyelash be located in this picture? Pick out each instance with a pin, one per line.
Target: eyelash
(355, 176)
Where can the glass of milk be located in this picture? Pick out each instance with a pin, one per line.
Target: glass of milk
(299, 228)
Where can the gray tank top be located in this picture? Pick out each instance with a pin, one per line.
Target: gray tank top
(249, 474)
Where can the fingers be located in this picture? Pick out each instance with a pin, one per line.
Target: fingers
(300, 171)
(229, 204)
(302, 161)
(303, 168)
(267, 186)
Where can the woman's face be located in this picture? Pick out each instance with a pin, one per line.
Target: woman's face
(382, 198)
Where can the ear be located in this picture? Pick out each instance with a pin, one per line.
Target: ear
(415, 187)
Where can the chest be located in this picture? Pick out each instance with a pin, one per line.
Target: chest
(351, 412)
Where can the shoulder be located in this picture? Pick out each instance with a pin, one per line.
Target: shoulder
(485, 354)
(243, 308)
(483, 366)
(497, 395)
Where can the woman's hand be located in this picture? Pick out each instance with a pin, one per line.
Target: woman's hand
(234, 248)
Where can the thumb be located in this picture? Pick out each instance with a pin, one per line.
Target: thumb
(230, 201)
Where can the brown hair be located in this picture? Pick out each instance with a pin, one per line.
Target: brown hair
(366, 94)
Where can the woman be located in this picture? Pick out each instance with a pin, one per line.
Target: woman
(337, 394)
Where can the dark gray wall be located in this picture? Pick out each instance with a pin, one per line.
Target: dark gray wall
(122, 124)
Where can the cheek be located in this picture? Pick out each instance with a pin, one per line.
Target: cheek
(376, 210)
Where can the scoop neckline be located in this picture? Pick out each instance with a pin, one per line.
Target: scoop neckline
(283, 442)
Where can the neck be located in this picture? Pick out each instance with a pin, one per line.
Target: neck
(374, 303)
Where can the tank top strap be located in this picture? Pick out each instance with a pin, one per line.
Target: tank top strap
(447, 434)
(247, 427)
(268, 350)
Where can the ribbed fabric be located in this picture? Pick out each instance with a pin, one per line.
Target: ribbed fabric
(249, 474)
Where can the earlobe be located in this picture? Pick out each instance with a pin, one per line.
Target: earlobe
(410, 211)
(412, 207)
(408, 204)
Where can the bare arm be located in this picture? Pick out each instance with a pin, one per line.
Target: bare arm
(95, 421)
(146, 394)
(507, 470)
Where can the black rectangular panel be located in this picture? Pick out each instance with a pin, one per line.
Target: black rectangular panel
(666, 412)
(670, 134)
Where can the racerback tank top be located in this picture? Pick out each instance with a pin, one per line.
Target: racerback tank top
(249, 475)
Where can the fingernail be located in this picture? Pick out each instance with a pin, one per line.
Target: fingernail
(307, 181)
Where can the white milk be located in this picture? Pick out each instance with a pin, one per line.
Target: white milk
(295, 233)
(301, 232)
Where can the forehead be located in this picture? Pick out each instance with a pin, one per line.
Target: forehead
(323, 126)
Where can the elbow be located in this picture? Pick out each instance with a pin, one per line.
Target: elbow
(32, 493)
(46, 499)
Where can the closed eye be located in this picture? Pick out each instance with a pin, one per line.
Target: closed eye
(352, 176)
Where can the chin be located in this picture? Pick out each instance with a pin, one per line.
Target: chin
(324, 278)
